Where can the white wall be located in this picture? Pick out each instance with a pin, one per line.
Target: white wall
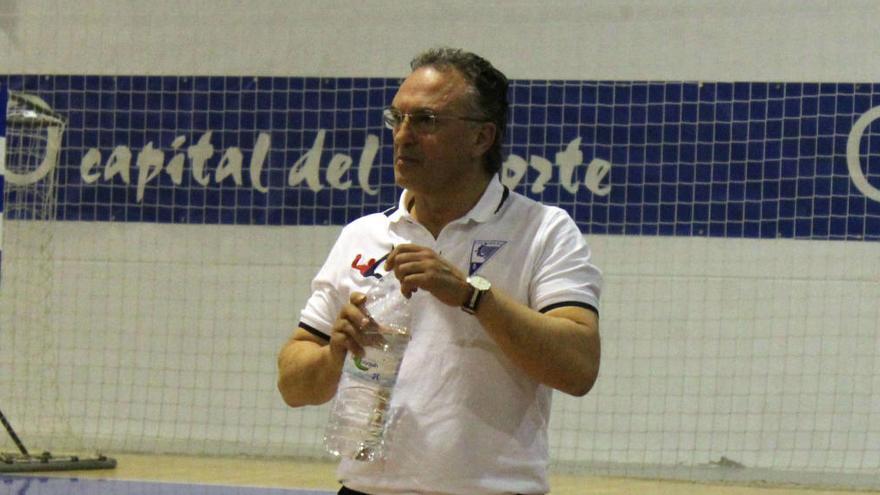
(759, 351)
(794, 40)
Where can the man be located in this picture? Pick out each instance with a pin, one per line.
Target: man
(503, 295)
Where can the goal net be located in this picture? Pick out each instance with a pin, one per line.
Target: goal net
(736, 224)
(31, 144)
(29, 343)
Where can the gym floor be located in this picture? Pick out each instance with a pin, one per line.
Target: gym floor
(140, 474)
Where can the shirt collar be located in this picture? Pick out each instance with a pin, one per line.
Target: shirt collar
(490, 203)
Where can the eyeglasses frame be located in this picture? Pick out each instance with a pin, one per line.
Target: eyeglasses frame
(389, 113)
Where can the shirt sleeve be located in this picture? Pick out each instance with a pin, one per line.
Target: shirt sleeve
(327, 298)
(565, 274)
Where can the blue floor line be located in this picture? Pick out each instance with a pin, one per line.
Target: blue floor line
(42, 485)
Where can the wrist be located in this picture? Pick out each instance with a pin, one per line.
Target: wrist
(479, 286)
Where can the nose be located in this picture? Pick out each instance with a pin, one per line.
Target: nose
(404, 132)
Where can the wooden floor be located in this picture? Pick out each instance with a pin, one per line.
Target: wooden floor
(297, 474)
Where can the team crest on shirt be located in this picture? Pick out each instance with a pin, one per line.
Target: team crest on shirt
(481, 252)
(368, 267)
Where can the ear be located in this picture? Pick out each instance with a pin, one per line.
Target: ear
(483, 140)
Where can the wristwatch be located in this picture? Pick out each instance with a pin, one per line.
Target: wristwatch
(479, 286)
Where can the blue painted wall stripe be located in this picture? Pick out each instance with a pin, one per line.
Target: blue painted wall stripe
(743, 159)
(3, 99)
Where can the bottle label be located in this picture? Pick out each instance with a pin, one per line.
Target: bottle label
(377, 367)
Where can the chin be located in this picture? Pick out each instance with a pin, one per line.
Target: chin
(399, 178)
(409, 184)
(404, 178)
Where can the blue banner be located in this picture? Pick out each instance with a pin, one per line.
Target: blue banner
(3, 99)
(760, 160)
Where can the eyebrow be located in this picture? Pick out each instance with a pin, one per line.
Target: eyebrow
(417, 110)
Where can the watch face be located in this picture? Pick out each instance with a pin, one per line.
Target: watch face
(479, 282)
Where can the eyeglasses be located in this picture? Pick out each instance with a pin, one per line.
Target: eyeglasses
(420, 121)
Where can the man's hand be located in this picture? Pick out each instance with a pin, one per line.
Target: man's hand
(347, 334)
(418, 267)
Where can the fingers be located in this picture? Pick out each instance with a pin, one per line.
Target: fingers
(347, 334)
(418, 267)
(357, 298)
(407, 261)
(403, 250)
(415, 273)
(393, 262)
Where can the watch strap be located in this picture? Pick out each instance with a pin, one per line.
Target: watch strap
(473, 301)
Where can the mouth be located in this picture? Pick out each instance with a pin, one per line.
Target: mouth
(406, 160)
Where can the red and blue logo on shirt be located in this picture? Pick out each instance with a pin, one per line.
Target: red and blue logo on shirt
(368, 268)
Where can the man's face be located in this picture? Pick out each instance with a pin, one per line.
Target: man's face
(437, 161)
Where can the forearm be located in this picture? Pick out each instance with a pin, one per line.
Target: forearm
(560, 349)
(308, 374)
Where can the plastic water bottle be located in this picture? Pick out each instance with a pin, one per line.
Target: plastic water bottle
(361, 410)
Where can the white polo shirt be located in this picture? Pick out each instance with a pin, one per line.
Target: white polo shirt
(467, 421)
